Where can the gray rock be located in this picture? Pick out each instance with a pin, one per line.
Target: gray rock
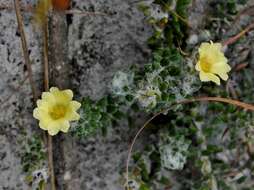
(98, 46)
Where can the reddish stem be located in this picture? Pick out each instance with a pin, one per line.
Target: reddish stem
(239, 35)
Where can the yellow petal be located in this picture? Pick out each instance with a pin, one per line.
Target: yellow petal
(55, 110)
(212, 63)
(45, 121)
(74, 116)
(203, 77)
(69, 93)
(216, 46)
(47, 96)
(209, 77)
(42, 114)
(53, 132)
(223, 76)
(54, 128)
(43, 105)
(65, 126)
(75, 105)
(39, 103)
(43, 125)
(62, 96)
(203, 48)
(197, 66)
(220, 68)
(54, 89)
(36, 113)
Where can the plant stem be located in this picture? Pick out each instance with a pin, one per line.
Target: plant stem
(30, 76)
(51, 163)
(45, 56)
(24, 48)
(46, 86)
(187, 101)
(239, 35)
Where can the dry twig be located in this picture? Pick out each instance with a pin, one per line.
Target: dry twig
(25, 49)
(239, 35)
(30, 76)
(46, 87)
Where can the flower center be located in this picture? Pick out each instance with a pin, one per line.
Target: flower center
(58, 111)
(205, 65)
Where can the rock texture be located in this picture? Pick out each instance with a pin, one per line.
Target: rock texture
(97, 45)
(15, 97)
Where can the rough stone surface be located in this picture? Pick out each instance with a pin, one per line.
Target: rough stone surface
(16, 100)
(98, 45)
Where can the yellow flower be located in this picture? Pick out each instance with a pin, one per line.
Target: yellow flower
(55, 110)
(212, 63)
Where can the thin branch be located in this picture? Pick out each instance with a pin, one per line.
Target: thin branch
(46, 87)
(176, 14)
(51, 163)
(199, 99)
(239, 35)
(180, 18)
(25, 49)
(240, 66)
(181, 51)
(28, 63)
(219, 99)
(133, 142)
(45, 56)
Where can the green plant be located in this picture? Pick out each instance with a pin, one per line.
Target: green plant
(33, 161)
(217, 137)
(192, 147)
(97, 115)
(168, 78)
(169, 19)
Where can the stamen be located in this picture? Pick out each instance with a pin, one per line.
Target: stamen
(57, 111)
